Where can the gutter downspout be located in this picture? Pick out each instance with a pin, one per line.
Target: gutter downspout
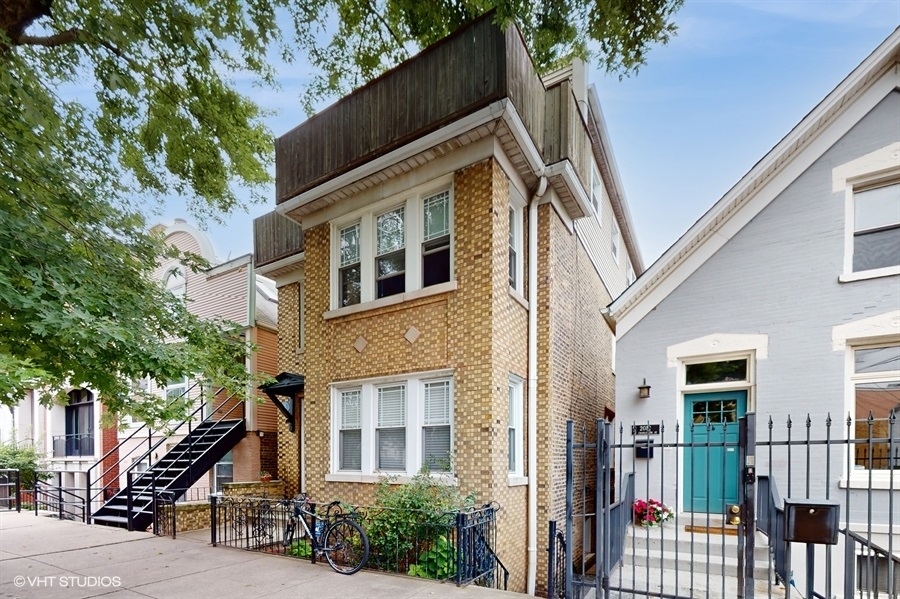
(533, 379)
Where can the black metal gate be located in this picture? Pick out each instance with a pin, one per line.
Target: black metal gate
(631, 529)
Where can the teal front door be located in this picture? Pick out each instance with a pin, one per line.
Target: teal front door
(711, 464)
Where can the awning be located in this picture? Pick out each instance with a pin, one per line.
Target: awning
(283, 393)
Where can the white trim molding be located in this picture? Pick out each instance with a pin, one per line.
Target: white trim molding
(883, 327)
(716, 345)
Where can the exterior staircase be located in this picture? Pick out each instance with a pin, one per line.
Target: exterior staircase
(176, 471)
(670, 560)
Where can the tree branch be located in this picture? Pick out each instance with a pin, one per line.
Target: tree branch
(57, 39)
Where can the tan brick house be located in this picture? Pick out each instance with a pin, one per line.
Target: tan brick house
(444, 240)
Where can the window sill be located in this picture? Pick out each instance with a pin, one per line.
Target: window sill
(392, 300)
(394, 478)
(518, 481)
(514, 293)
(881, 480)
(863, 275)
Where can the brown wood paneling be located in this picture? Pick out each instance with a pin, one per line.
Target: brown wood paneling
(275, 237)
(456, 76)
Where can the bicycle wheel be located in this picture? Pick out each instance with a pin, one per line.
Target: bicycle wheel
(288, 533)
(346, 547)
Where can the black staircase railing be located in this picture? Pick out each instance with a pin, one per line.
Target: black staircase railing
(63, 502)
(107, 489)
(153, 475)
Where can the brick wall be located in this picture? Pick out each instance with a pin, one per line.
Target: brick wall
(479, 331)
(109, 438)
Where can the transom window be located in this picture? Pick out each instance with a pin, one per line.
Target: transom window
(400, 426)
(876, 227)
(876, 383)
(394, 249)
(726, 371)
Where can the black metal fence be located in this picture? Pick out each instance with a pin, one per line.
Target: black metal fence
(10, 489)
(455, 546)
(557, 556)
(676, 541)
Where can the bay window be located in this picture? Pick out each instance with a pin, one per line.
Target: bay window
(396, 246)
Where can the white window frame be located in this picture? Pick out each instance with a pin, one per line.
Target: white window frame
(414, 424)
(861, 477)
(516, 423)
(597, 192)
(414, 203)
(516, 238)
(615, 241)
(875, 169)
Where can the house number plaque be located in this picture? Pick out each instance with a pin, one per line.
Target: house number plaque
(645, 429)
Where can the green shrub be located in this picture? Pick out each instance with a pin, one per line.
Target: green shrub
(299, 548)
(26, 459)
(439, 562)
(409, 519)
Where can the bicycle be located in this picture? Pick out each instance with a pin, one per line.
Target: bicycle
(338, 536)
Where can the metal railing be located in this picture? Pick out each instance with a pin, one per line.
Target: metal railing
(73, 446)
(112, 471)
(557, 558)
(770, 522)
(877, 571)
(10, 489)
(63, 502)
(456, 545)
(191, 453)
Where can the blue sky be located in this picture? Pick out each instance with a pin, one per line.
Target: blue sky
(734, 81)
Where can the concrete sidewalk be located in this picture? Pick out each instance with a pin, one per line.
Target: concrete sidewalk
(43, 558)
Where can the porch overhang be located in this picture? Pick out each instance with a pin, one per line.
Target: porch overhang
(287, 385)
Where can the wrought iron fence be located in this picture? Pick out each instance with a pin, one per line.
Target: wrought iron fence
(556, 563)
(75, 445)
(10, 489)
(165, 517)
(455, 545)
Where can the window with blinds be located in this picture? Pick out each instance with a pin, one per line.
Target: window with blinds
(436, 426)
(390, 433)
(350, 450)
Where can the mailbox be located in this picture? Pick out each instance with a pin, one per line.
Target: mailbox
(808, 521)
(643, 449)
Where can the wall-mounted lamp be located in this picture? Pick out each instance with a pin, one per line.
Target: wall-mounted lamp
(644, 390)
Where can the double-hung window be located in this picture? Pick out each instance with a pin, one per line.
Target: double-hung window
(876, 227)
(516, 227)
(398, 425)
(436, 426)
(876, 385)
(392, 247)
(390, 436)
(390, 253)
(350, 436)
(515, 443)
(350, 273)
(436, 239)
(597, 192)
(615, 241)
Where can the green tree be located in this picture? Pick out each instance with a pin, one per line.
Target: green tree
(107, 106)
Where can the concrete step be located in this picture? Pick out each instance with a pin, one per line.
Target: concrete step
(642, 540)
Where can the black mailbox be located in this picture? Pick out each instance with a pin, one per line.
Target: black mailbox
(643, 449)
(808, 521)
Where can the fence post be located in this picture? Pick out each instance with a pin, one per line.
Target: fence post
(129, 502)
(570, 482)
(18, 492)
(59, 503)
(551, 561)
(460, 552)
(213, 519)
(747, 561)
